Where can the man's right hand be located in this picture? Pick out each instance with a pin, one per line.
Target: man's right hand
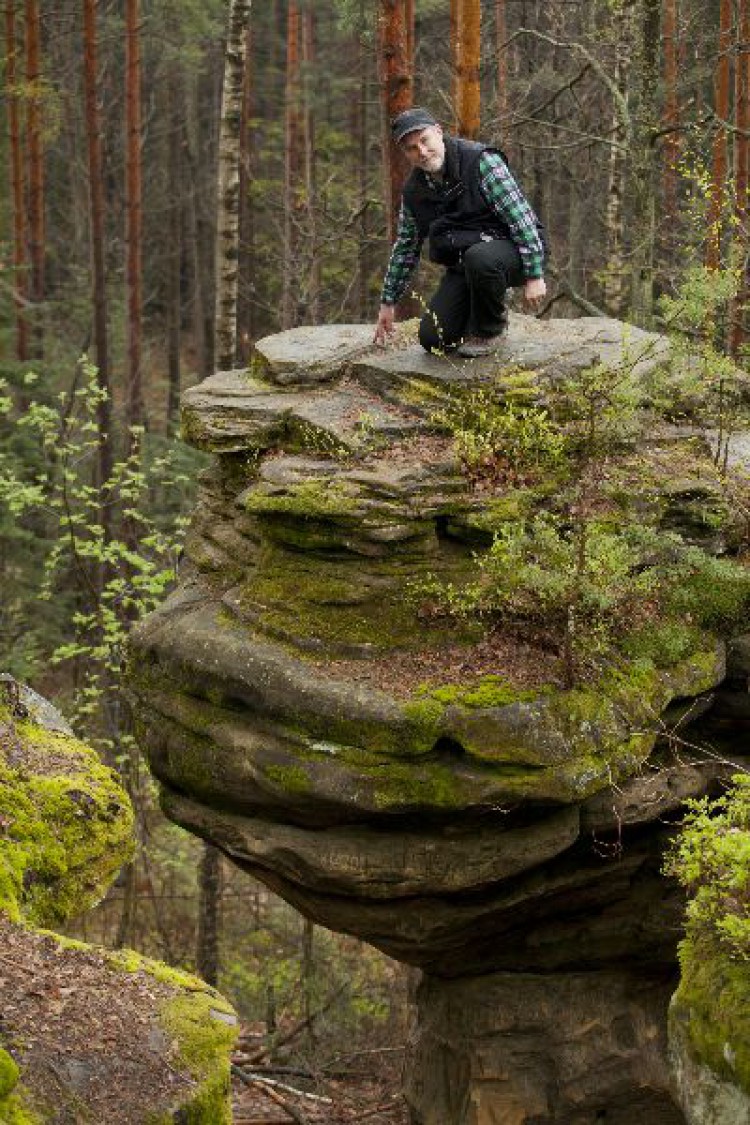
(384, 328)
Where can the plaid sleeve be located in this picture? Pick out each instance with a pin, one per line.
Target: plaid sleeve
(403, 260)
(505, 197)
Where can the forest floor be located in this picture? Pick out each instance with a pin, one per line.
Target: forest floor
(365, 1086)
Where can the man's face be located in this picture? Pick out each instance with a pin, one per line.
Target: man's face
(425, 148)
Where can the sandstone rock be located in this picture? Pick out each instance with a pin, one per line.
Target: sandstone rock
(709, 1035)
(312, 355)
(306, 707)
(512, 1049)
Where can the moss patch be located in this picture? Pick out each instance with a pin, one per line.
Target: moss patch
(16, 1109)
(206, 1030)
(309, 499)
(714, 1000)
(66, 824)
(488, 691)
(339, 606)
(9, 1074)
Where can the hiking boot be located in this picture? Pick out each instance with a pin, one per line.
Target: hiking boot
(474, 346)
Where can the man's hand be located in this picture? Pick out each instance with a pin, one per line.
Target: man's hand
(384, 327)
(533, 291)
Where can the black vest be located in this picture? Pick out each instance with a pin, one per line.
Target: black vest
(453, 214)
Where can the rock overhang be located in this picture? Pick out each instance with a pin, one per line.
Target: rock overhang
(332, 490)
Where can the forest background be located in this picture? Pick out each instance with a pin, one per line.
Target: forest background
(626, 122)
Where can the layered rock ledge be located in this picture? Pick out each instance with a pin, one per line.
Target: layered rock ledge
(428, 786)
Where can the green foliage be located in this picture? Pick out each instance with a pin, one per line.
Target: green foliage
(102, 560)
(351, 985)
(590, 568)
(497, 441)
(711, 859)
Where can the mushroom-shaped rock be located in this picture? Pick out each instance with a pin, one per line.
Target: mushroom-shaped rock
(87, 1035)
(419, 780)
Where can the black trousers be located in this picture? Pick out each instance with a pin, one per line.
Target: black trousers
(470, 300)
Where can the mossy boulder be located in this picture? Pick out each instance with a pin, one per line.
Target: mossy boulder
(66, 828)
(709, 1030)
(67, 825)
(168, 1038)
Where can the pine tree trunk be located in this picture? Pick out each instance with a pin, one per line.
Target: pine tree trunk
(174, 250)
(396, 80)
(245, 329)
(209, 892)
(133, 215)
(361, 131)
(208, 103)
(645, 175)
(615, 278)
(227, 227)
(738, 332)
(292, 140)
(97, 242)
(501, 71)
(308, 974)
(671, 113)
(719, 165)
(20, 265)
(35, 157)
(311, 181)
(466, 50)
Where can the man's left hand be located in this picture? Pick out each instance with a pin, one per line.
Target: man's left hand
(534, 291)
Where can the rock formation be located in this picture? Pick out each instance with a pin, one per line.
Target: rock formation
(416, 780)
(87, 1035)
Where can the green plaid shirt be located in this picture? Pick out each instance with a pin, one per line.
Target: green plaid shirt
(503, 195)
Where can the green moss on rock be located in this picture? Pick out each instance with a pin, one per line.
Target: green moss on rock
(340, 606)
(9, 1074)
(712, 1005)
(68, 825)
(309, 499)
(16, 1109)
(206, 1029)
(487, 691)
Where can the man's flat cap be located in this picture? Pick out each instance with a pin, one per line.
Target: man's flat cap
(409, 121)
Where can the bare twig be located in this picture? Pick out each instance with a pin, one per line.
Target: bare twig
(288, 1036)
(274, 1095)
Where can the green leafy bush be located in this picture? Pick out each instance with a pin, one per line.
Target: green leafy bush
(496, 440)
(711, 859)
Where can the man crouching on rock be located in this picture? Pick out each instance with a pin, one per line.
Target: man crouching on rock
(462, 197)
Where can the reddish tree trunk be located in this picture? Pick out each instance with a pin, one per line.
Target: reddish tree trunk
(671, 138)
(466, 50)
(35, 156)
(96, 220)
(397, 90)
(133, 214)
(246, 217)
(292, 143)
(719, 163)
(501, 70)
(738, 333)
(17, 184)
(311, 179)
